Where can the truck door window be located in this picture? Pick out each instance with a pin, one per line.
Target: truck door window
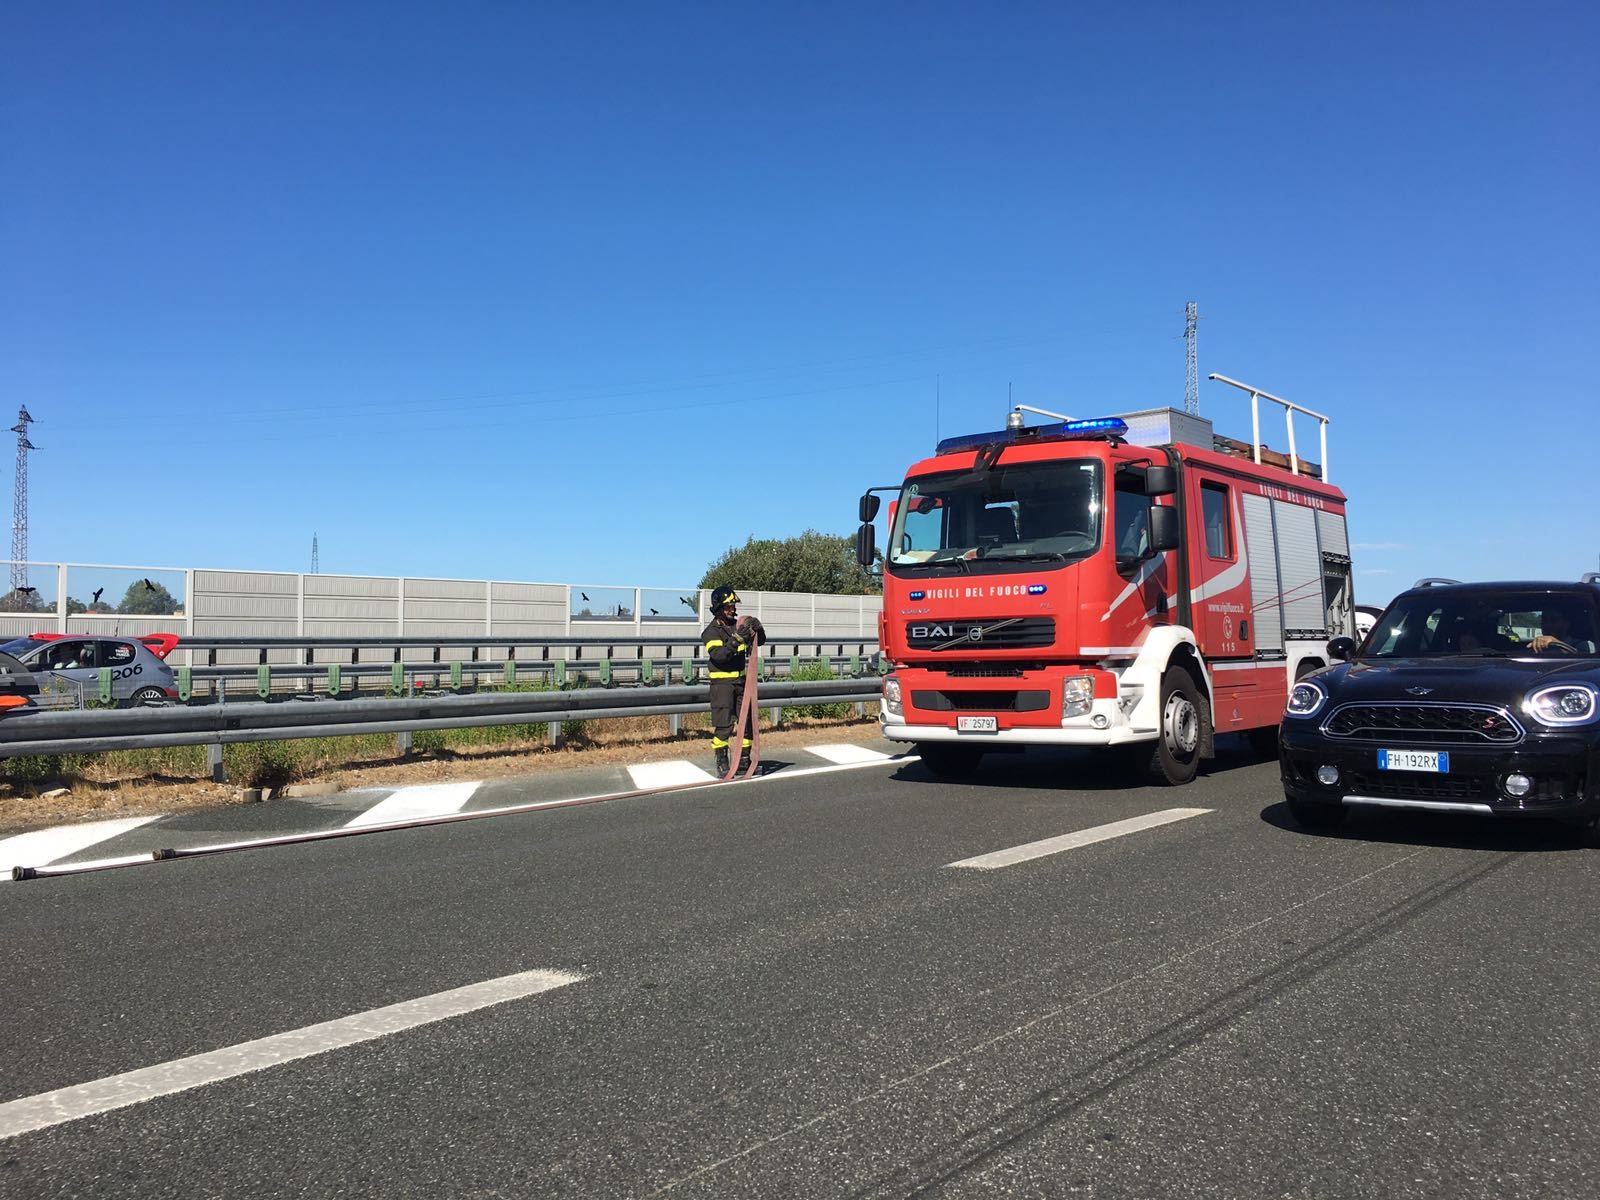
(1132, 517)
(1214, 511)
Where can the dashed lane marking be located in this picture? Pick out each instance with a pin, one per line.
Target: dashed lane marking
(843, 753)
(135, 1087)
(674, 773)
(423, 800)
(1072, 841)
(62, 841)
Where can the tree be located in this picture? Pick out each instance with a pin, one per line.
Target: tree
(28, 601)
(75, 606)
(144, 598)
(812, 562)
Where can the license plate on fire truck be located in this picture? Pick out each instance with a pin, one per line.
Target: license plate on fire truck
(977, 724)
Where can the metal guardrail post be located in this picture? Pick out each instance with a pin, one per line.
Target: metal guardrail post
(558, 674)
(675, 724)
(264, 681)
(646, 670)
(511, 672)
(455, 675)
(775, 714)
(334, 684)
(397, 677)
(219, 773)
(555, 734)
(185, 683)
(105, 685)
(688, 671)
(605, 672)
(402, 743)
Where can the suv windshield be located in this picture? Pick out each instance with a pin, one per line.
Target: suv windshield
(1026, 512)
(1506, 624)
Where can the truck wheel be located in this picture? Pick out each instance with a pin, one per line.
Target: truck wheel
(1176, 758)
(949, 762)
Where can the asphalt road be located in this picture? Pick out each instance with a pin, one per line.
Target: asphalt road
(786, 991)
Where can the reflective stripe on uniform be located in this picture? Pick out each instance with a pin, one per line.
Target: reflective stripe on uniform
(727, 674)
(719, 743)
(747, 743)
(718, 642)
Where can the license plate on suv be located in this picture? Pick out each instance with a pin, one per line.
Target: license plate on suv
(977, 724)
(1437, 761)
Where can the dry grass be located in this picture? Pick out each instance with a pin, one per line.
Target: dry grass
(147, 782)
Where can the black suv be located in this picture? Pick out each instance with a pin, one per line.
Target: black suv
(1464, 697)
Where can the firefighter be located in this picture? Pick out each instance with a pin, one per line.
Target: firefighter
(727, 640)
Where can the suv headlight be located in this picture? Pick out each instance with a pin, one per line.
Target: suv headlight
(1077, 695)
(1305, 699)
(1564, 704)
(891, 696)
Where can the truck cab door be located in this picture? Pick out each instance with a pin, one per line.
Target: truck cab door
(1220, 579)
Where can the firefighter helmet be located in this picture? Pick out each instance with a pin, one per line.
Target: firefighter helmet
(723, 596)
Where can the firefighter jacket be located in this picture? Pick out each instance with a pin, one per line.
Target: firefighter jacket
(726, 649)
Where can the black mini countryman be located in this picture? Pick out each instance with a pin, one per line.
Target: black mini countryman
(1464, 697)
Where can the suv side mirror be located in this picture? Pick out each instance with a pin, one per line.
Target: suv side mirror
(866, 544)
(1164, 532)
(1160, 481)
(868, 508)
(1342, 648)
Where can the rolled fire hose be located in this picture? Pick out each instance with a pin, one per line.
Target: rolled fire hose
(749, 717)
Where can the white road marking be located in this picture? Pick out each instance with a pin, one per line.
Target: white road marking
(675, 773)
(1071, 841)
(44, 846)
(844, 753)
(424, 800)
(135, 1087)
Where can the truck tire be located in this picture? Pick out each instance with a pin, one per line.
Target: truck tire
(949, 762)
(1176, 758)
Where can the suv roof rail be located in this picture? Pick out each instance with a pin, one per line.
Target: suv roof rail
(1434, 580)
(1590, 577)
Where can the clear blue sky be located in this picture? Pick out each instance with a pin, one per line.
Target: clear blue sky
(592, 293)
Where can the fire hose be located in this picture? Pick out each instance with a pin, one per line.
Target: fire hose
(749, 716)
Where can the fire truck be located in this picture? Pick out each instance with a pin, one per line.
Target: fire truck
(1130, 581)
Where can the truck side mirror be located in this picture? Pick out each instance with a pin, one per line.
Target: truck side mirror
(1341, 648)
(866, 545)
(1160, 481)
(869, 507)
(1164, 533)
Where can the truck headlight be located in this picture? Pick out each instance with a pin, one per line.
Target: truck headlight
(1305, 699)
(1077, 695)
(1564, 704)
(891, 696)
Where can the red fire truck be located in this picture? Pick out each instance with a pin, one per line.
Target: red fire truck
(1132, 581)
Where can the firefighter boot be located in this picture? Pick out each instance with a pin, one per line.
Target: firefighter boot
(744, 759)
(722, 762)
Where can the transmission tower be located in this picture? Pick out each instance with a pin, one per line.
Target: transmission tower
(315, 562)
(19, 503)
(1191, 359)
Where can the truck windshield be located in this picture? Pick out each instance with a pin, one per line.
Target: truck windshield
(1023, 513)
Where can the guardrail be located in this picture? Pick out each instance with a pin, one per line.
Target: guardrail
(213, 726)
(632, 658)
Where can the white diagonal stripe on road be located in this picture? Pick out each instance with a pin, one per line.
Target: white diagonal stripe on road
(45, 846)
(424, 800)
(1083, 837)
(844, 753)
(147, 1083)
(675, 773)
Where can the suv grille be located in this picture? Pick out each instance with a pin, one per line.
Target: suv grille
(1432, 724)
(1006, 633)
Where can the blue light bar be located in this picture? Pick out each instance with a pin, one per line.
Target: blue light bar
(1063, 431)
